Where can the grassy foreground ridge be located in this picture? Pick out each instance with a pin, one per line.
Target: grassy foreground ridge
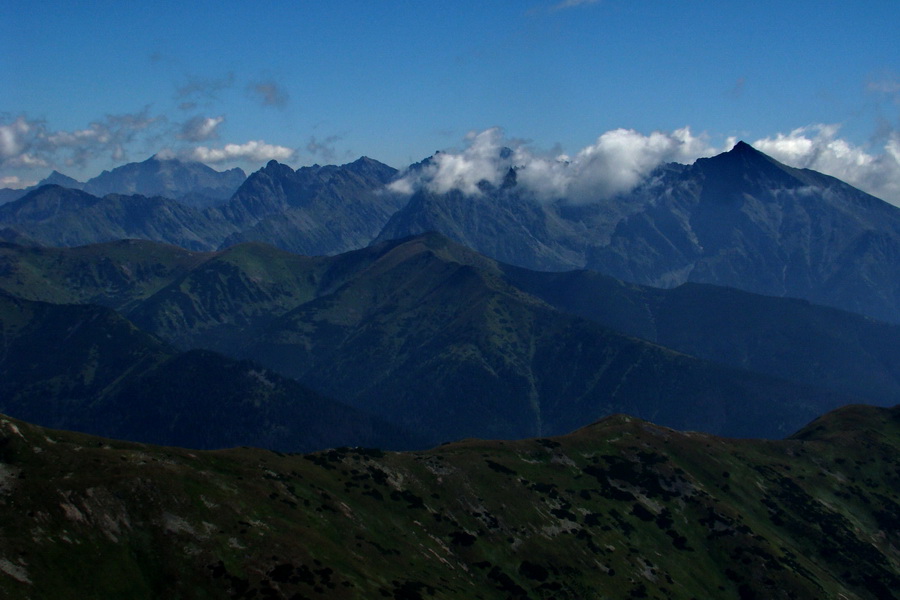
(618, 509)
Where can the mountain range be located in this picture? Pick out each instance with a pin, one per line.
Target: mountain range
(570, 363)
(313, 210)
(739, 219)
(621, 508)
(191, 183)
(436, 339)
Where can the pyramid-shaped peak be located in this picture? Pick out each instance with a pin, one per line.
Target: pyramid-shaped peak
(743, 147)
(744, 153)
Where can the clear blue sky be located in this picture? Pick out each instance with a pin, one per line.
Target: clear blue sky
(90, 85)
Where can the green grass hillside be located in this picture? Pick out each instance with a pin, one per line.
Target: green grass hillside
(619, 509)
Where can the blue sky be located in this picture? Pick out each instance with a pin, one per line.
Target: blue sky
(88, 86)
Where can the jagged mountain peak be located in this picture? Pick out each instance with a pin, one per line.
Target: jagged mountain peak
(273, 164)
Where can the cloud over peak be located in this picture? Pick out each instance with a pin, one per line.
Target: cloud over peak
(256, 151)
(817, 147)
(621, 158)
(615, 163)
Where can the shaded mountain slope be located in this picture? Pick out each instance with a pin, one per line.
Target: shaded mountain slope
(621, 508)
(428, 335)
(54, 178)
(116, 274)
(85, 368)
(58, 216)
(450, 349)
(508, 224)
(782, 337)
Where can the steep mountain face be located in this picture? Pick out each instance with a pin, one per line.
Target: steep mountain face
(622, 508)
(191, 182)
(313, 210)
(758, 225)
(508, 224)
(740, 219)
(85, 368)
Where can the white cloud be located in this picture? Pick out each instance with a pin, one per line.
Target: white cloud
(621, 158)
(817, 147)
(13, 138)
(617, 162)
(200, 129)
(15, 182)
(255, 151)
(28, 143)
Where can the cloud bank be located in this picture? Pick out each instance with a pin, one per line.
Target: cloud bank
(615, 163)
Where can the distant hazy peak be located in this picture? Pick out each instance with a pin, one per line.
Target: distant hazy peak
(57, 178)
